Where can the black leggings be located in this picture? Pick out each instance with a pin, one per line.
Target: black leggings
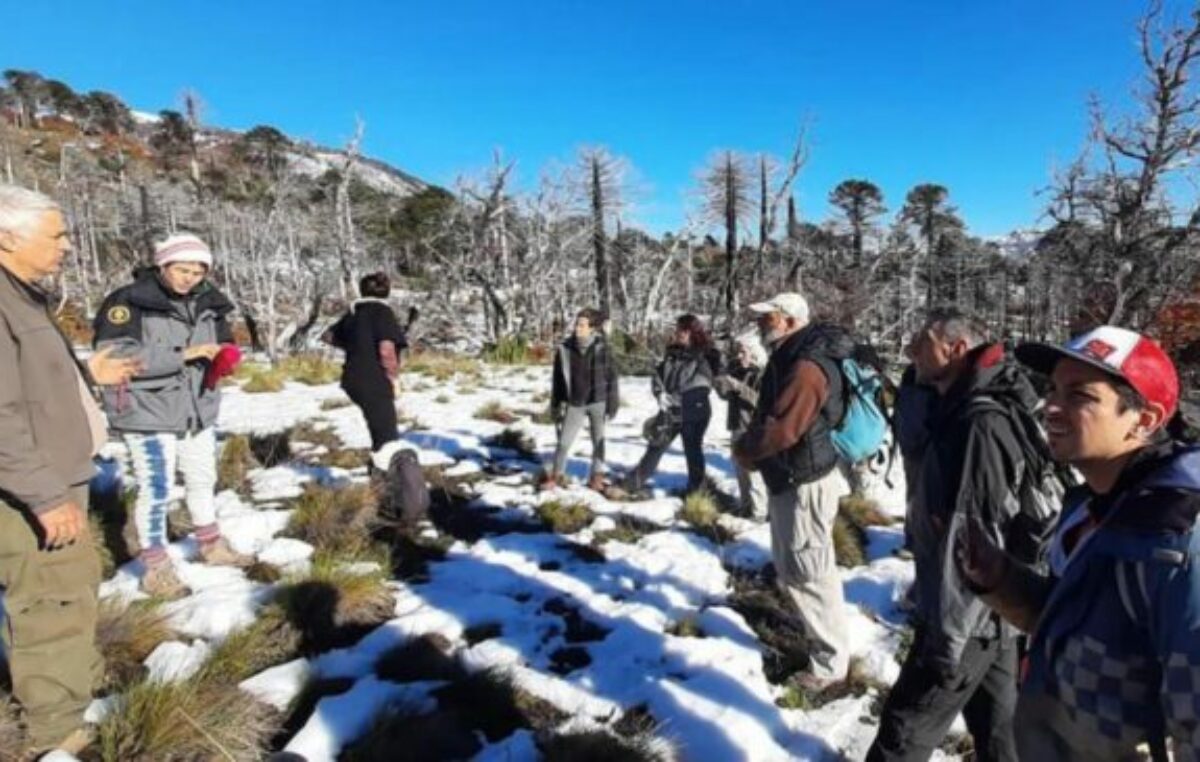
(378, 406)
(696, 417)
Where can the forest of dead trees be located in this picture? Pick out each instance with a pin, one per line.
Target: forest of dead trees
(1117, 241)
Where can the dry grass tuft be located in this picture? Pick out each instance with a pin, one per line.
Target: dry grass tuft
(335, 520)
(335, 403)
(600, 744)
(126, 635)
(195, 719)
(494, 410)
(564, 517)
(271, 640)
(235, 463)
(262, 379)
(310, 369)
(334, 594)
(516, 440)
(443, 367)
(12, 737)
(687, 627)
(700, 509)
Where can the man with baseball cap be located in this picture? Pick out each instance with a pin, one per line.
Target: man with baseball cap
(174, 319)
(788, 442)
(1114, 662)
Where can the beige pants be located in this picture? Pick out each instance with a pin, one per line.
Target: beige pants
(802, 549)
(49, 630)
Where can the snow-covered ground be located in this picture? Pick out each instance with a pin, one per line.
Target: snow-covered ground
(709, 695)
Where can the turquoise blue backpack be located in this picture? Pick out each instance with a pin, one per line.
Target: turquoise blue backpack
(863, 428)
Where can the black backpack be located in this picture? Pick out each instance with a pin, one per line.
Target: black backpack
(1040, 493)
(405, 495)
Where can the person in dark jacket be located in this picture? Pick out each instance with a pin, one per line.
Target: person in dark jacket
(1113, 670)
(915, 405)
(372, 339)
(682, 384)
(963, 658)
(584, 387)
(174, 320)
(789, 443)
(739, 388)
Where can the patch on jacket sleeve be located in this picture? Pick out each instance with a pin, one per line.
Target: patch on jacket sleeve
(118, 315)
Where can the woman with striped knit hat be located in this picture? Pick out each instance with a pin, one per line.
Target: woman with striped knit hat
(174, 320)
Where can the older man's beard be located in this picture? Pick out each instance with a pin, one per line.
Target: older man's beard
(771, 336)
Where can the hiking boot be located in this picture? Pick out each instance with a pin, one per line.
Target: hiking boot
(218, 553)
(74, 744)
(161, 581)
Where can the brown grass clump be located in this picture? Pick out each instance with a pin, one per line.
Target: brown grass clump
(333, 595)
(564, 517)
(235, 463)
(269, 641)
(310, 369)
(600, 744)
(334, 519)
(261, 380)
(335, 403)
(494, 410)
(443, 367)
(125, 636)
(12, 737)
(195, 719)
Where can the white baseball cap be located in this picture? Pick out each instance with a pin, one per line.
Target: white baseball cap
(789, 303)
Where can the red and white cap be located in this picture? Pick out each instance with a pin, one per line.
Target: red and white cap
(182, 247)
(1119, 352)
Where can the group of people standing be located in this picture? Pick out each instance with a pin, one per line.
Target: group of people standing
(1061, 625)
(1062, 622)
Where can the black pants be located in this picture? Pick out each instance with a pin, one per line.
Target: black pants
(694, 423)
(378, 406)
(920, 709)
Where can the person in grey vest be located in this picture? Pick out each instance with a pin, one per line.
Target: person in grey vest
(174, 320)
(739, 388)
(583, 387)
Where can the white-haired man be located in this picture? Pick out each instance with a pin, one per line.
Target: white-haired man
(788, 442)
(50, 427)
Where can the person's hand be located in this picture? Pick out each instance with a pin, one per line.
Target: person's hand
(201, 352)
(63, 525)
(982, 564)
(107, 370)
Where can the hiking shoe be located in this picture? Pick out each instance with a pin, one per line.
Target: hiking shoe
(74, 744)
(218, 553)
(161, 581)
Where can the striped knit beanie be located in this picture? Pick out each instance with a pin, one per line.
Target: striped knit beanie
(182, 247)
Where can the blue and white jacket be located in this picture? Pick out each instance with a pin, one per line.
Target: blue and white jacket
(1115, 658)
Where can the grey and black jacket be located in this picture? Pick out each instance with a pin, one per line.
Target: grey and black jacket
(741, 398)
(683, 381)
(972, 467)
(146, 320)
(585, 377)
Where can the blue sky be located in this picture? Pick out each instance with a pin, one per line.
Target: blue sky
(983, 97)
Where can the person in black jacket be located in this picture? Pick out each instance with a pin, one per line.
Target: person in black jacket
(963, 658)
(682, 384)
(584, 386)
(372, 339)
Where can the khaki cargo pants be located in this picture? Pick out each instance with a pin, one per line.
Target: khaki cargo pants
(49, 630)
(806, 569)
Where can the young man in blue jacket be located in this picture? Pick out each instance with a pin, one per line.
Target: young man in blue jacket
(1114, 662)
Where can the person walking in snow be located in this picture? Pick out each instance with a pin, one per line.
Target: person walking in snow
(1114, 662)
(583, 387)
(373, 340)
(789, 443)
(682, 384)
(979, 464)
(739, 388)
(175, 321)
(50, 429)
